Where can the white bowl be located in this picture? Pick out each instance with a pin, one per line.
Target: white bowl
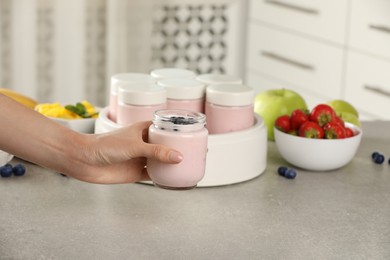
(318, 154)
(5, 157)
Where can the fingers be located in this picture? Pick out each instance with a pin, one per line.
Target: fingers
(156, 151)
(162, 153)
(126, 172)
(143, 127)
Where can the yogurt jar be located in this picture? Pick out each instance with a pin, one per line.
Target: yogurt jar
(210, 79)
(229, 108)
(184, 131)
(138, 102)
(120, 79)
(187, 94)
(172, 73)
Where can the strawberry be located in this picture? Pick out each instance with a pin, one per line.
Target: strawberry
(322, 114)
(293, 132)
(334, 130)
(339, 120)
(311, 129)
(298, 117)
(349, 132)
(282, 123)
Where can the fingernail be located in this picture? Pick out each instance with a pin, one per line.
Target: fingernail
(175, 156)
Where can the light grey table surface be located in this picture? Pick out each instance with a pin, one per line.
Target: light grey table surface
(343, 214)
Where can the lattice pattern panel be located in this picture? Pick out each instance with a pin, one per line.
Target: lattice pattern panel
(193, 37)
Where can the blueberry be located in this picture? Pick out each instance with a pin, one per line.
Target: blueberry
(374, 154)
(379, 159)
(282, 170)
(290, 174)
(19, 170)
(180, 120)
(6, 170)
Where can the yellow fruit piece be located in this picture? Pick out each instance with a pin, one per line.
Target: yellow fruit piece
(89, 107)
(59, 111)
(45, 107)
(28, 102)
(64, 113)
(55, 110)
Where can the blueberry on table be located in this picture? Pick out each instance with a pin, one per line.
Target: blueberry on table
(379, 159)
(19, 170)
(282, 170)
(290, 174)
(6, 170)
(374, 155)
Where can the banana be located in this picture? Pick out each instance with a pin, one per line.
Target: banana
(28, 102)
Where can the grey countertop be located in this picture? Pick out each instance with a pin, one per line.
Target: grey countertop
(343, 214)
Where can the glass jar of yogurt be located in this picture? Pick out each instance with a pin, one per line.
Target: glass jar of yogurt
(187, 94)
(121, 79)
(184, 131)
(229, 108)
(138, 102)
(213, 78)
(172, 73)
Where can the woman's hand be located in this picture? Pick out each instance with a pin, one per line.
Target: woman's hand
(115, 157)
(120, 156)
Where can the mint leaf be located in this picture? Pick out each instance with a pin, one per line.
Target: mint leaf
(81, 108)
(73, 109)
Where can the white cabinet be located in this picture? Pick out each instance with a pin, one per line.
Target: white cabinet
(370, 27)
(323, 49)
(368, 85)
(261, 82)
(324, 19)
(368, 58)
(314, 66)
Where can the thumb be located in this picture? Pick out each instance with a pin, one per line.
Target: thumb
(162, 153)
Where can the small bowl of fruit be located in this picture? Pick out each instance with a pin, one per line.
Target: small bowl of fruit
(79, 117)
(316, 140)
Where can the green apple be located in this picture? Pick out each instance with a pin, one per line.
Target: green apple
(272, 103)
(349, 117)
(342, 106)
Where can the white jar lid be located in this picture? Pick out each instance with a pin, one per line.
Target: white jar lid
(219, 79)
(230, 94)
(183, 88)
(142, 94)
(169, 73)
(124, 78)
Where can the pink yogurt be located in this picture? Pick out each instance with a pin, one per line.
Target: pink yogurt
(120, 79)
(229, 108)
(138, 102)
(187, 94)
(188, 138)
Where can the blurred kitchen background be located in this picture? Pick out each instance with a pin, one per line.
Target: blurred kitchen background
(66, 50)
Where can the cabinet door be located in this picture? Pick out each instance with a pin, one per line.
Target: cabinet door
(368, 84)
(370, 26)
(262, 83)
(325, 19)
(317, 67)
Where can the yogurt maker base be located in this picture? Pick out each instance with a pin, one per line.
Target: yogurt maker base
(232, 157)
